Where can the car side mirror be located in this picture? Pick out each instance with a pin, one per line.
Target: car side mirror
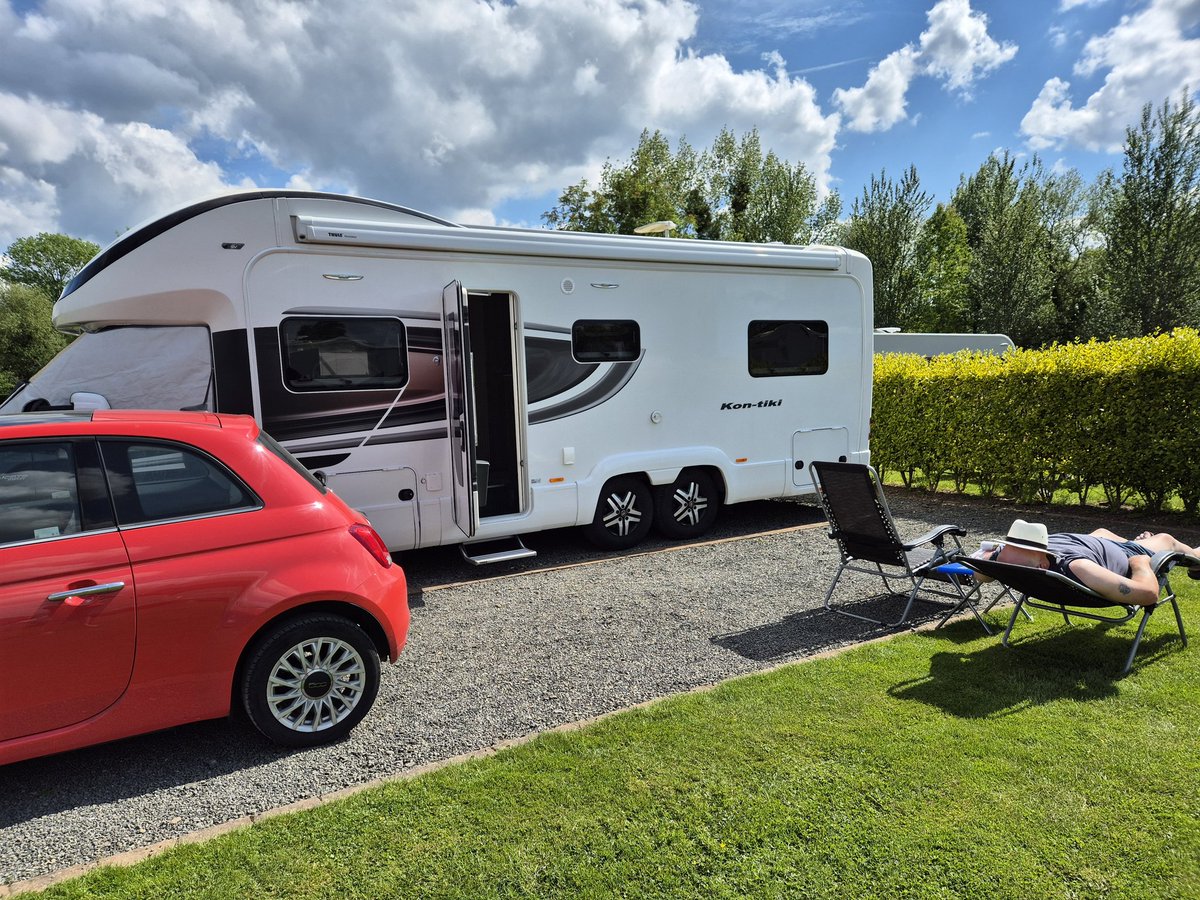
(86, 400)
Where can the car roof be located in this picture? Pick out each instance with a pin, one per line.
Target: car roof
(116, 421)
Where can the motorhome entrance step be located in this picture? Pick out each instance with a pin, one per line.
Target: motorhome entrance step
(481, 553)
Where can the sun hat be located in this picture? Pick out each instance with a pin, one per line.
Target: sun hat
(1030, 535)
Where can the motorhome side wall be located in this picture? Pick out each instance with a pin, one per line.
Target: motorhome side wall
(688, 400)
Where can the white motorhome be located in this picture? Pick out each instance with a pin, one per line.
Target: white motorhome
(468, 384)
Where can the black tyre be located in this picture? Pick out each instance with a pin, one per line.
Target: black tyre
(688, 507)
(624, 514)
(310, 680)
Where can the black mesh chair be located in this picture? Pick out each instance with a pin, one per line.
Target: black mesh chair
(1044, 589)
(862, 525)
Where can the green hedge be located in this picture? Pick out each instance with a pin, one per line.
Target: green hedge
(1121, 415)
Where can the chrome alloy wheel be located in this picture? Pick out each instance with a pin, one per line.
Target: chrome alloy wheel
(688, 504)
(624, 516)
(316, 684)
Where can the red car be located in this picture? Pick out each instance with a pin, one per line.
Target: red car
(158, 568)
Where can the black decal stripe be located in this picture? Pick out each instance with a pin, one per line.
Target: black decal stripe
(608, 387)
(231, 360)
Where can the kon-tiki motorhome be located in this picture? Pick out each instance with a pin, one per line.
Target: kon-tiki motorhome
(471, 384)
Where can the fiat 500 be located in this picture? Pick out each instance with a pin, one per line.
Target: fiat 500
(158, 568)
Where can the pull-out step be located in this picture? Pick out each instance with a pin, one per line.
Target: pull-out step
(481, 553)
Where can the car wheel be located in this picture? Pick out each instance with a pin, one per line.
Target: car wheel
(687, 508)
(310, 680)
(624, 514)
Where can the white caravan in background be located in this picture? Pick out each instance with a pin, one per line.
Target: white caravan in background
(928, 343)
(465, 384)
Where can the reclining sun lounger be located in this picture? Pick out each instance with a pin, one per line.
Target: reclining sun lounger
(1044, 589)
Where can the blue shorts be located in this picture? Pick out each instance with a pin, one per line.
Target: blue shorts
(1133, 548)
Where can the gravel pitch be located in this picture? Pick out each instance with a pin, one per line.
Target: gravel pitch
(499, 654)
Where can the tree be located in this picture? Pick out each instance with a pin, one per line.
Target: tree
(27, 338)
(47, 261)
(733, 191)
(1151, 224)
(884, 224)
(943, 264)
(1025, 228)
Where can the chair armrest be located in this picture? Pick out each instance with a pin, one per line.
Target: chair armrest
(936, 536)
(1164, 560)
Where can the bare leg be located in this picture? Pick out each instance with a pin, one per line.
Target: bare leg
(1111, 535)
(1163, 541)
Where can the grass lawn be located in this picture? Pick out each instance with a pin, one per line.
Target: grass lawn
(936, 764)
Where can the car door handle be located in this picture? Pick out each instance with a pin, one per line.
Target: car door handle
(81, 595)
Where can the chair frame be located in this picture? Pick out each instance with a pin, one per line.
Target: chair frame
(868, 554)
(1052, 591)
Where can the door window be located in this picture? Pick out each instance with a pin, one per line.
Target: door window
(39, 497)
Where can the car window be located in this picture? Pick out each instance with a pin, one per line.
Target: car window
(152, 482)
(39, 497)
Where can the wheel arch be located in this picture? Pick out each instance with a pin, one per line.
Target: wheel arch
(355, 614)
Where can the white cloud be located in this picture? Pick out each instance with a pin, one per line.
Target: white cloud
(1150, 54)
(444, 105)
(955, 48)
(881, 102)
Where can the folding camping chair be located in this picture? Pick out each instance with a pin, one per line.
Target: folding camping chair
(1044, 589)
(862, 525)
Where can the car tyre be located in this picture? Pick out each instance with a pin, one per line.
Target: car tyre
(688, 507)
(624, 514)
(309, 681)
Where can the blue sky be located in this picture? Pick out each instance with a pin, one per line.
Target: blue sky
(115, 111)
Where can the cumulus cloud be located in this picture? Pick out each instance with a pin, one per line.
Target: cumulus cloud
(1153, 53)
(956, 48)
(113, 111)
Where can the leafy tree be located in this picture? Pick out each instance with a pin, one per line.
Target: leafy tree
(885, 223)
(1151, 223)
(1025, 229)
(733, 191)
(47, 261)
(27, 338)
(943, 264)
(654, 185)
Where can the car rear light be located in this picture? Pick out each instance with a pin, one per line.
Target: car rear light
(370, 539)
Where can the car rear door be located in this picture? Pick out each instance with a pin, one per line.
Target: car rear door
(67, 601)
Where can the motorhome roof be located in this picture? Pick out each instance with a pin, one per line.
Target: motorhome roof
(134, 238)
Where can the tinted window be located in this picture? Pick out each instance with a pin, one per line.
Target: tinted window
(279, 450)
(39, 497)
(152, 482)
(606, 340)
(788, 348)
(356, 354)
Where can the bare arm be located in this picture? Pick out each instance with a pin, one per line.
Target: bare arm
(1139, 589)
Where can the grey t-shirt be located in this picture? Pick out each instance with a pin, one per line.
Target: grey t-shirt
(1070, 547)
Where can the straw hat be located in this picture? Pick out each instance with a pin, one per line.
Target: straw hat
(1030, 535)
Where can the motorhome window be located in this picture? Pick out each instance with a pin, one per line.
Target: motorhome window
(352, 354)
(153, 482)
(778, 348)
(606, 340)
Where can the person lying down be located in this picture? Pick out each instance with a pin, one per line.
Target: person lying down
(1115, 567)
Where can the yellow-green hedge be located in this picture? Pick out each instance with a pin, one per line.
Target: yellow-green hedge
(1120, 415)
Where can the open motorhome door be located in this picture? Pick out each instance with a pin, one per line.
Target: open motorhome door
(460, 405)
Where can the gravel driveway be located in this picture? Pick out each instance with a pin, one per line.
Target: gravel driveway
(498, 655)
